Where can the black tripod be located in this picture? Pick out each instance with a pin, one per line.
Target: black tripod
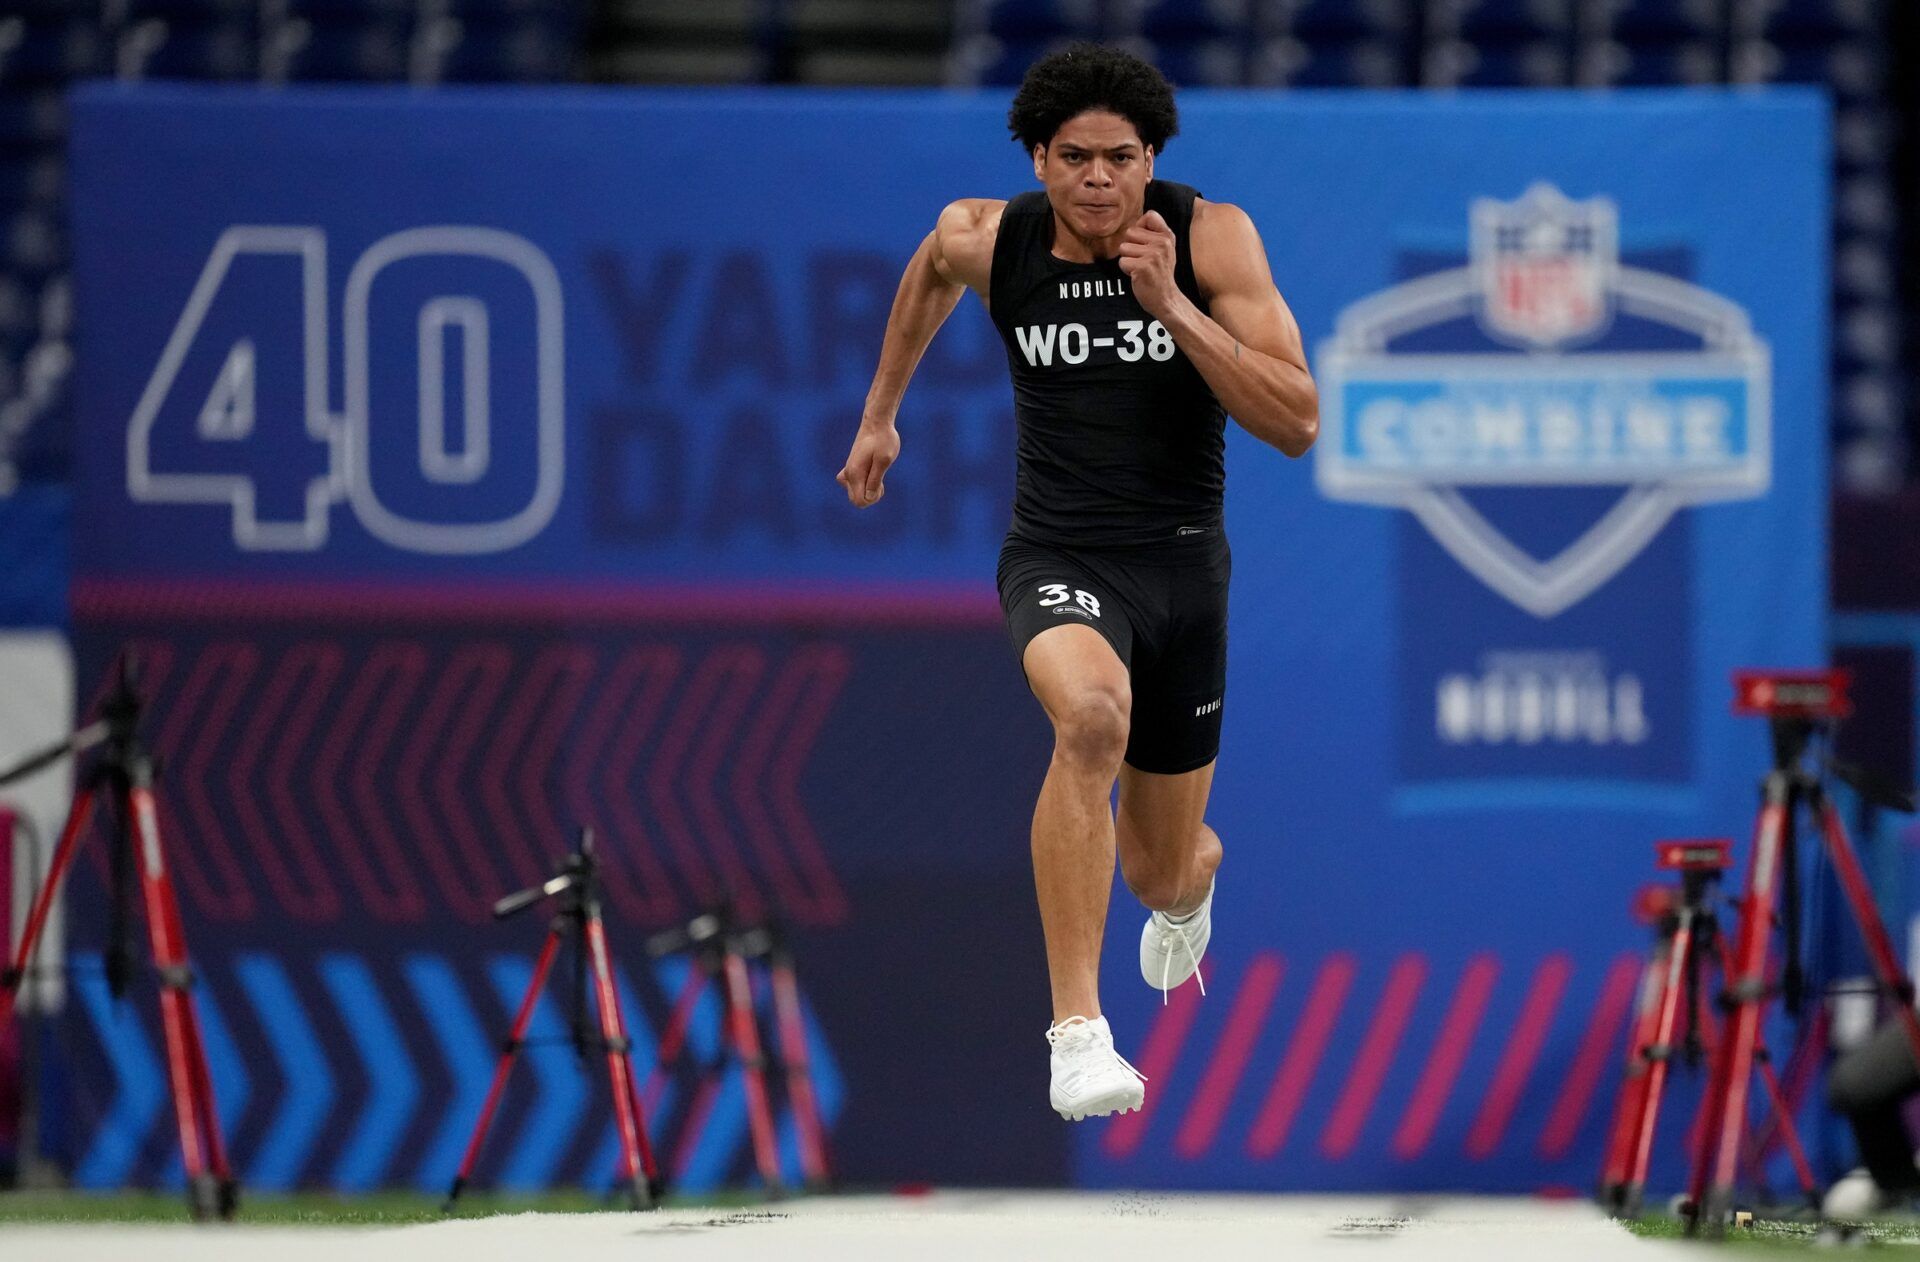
(123, 771)
(578, 922)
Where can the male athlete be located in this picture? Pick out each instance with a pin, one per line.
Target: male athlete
(1134, 312)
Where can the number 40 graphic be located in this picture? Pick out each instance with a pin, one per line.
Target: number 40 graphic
(229, 412)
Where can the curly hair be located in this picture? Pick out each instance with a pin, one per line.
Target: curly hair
(1092, 76)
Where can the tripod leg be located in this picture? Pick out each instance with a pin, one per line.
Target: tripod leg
(1659, 1054)
(636, 1153)
(744, 1028)
(515, 1038)
(201, 1151)
(1853, 881)
(1716, 1165)
(1789, 1133)
(16, 973)
(673, 1040)
(793, 1050)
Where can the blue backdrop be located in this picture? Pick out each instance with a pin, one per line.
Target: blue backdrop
(477, 412)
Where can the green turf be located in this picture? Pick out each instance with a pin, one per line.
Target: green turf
(311, 1209)
(1787, 1235)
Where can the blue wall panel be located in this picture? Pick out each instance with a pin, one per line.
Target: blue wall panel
(385, 396)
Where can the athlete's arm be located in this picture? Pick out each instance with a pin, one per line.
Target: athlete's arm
(956, 256)
(1249, 350)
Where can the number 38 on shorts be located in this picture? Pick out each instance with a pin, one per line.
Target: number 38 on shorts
(1059, 594)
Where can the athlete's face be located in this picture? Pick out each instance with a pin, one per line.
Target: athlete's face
(1096, 171)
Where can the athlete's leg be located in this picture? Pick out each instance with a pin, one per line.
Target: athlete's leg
(1083, 686)
(1167, 852)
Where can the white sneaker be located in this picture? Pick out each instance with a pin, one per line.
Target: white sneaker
(1170, 953)
(1090, 1079)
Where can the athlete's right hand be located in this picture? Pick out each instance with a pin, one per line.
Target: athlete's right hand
(875, 448)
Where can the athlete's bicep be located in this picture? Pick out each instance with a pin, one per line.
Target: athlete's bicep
(962, 241)
(1232, 267)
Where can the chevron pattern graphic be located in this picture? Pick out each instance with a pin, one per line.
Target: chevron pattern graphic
(326, 779)
(347, 1072)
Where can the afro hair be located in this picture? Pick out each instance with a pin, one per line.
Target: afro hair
(1092, 76)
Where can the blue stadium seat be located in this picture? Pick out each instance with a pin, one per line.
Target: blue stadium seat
(1662, 21)
(1533, 64)
(33, 244)
(1685, 63)
(511, 52)
(193, 11)
(1853, 70)
(32, 176)
(1363, 63)
(37, 117)
(1318, 21)
(370, 52)
(1199, 63)
(1173, 21)
(212, 50)
(1808, 21)
(1512, 21)
(45, 54)
(987, 61)
(338, 13)
(1024, 20)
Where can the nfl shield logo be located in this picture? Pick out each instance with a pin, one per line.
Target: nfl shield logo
(1544, 266)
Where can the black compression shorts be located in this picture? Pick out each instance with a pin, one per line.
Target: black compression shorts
(1167, 621)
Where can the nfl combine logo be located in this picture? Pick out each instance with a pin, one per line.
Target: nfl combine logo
(1545, 266)
(1546, 361)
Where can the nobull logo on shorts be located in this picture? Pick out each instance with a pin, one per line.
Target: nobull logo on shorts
(1546, 361)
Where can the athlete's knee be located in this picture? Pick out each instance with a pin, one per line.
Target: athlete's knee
(1157, 883)
(1090, 727)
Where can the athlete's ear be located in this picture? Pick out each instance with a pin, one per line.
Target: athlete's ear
(1149, 152)
(1040, 163)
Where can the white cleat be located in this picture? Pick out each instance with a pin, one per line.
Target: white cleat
(1170, 951)
(1090, 1079)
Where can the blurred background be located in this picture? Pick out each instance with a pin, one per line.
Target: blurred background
(371, 728)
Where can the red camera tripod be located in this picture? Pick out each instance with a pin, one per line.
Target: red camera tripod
(1799, 705)
(578, 921)
(123, 772)
(1687, 941)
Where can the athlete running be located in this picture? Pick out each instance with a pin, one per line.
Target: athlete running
(1135, 314)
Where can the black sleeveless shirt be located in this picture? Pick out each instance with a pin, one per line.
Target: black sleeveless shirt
(1121, 441)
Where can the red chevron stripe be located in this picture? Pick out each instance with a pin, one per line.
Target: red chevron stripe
(1275, 1119)
(1158, 1057)
(746, 664)
(530, 846)
(467, 888)
(637, 881)
(195, 732)
(570, 668)
(1222, 1077)
(750, 777)
(1516, 1063)
(798, 705)
(1595, 1055)
(269, 702)
(310, 893)
(1376, 1056)
(665, 777)
(482, 672)
(830, 666)
(367, 847)
(1449, 1054)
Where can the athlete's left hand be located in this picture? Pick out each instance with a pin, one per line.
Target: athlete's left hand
(1147, 256)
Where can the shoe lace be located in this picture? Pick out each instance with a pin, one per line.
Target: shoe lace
(1169, 931)
(1076, 1029)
